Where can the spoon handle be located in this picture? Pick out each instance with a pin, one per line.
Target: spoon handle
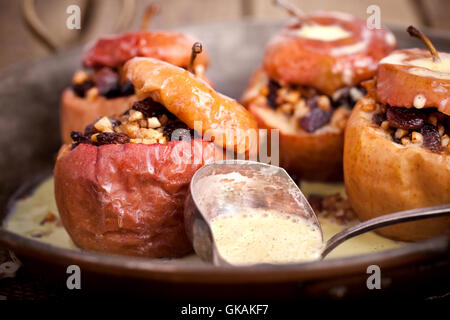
(383, 221)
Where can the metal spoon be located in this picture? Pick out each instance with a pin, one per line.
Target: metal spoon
(229, 186)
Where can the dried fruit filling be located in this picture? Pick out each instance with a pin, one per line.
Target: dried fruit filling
(311, 109)
(102, 82)
(408, 126)
(147, 122)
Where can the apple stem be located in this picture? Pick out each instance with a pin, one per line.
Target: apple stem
(414, 32)
(149, 13)
(291, 9)
(196, 49)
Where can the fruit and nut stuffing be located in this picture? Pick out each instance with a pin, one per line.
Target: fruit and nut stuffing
(311, 109)
(147, 122)
(103, 82)
(426, 127)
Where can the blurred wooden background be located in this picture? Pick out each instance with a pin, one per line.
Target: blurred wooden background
(100, 17)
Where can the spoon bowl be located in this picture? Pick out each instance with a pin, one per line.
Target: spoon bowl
(230, 186)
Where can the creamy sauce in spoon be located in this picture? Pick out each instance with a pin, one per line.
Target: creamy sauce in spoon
(261, 236)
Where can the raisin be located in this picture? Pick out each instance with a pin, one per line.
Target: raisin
(107, 82)
(112, 138)
(314, 119)
(81, 89)
(78, 137)
(90, 129)
(273, 93)
(404, 118)
(127, 89)
(378, 118)
(183, 132)
(431, 138)
(151, 108)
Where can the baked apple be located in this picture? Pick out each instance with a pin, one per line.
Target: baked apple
(397, 156)
(98, 89)
(121, 185)
(308, 84)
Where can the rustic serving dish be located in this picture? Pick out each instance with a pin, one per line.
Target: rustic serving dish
(29, 140)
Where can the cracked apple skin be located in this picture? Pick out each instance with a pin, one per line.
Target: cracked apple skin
(323, 65)
(76, 113)
(382, 177)
(397, 86)
(128, 199)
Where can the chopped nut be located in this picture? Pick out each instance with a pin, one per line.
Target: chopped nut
(385, 125)
(149, 141)
(441, 130)
(94, 137)
(356, 94)
(282, 92)
(264, 91)
(445, 140)
(292, 96)
(135, 115)
(433, 120)
(143, 123)
(162, 140)
(400, 133)
(80, 77)
(149, 134)
(416, 137)
(136, 140)
(324, 103)
(286, 108)
(104, 125)
(92, 94)
(153, 122)
(406, 141)
(132, 129)
(300, 109)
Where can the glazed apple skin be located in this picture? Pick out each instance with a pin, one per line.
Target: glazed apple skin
(293, 59)
(127, 199)
(383, 177)
(172, 47)
(397, 86)
(192, 100)
(76, 113)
